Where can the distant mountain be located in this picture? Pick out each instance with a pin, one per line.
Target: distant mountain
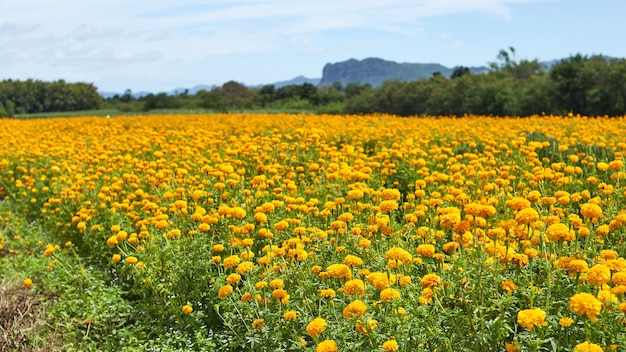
(375, 71)
(298, 81)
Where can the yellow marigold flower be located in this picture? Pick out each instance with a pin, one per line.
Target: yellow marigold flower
(27, 283)
(112, 241)
(263, 284)
(527, 216)
(404, 280)
(131, 260)
(353, 287)
(352, 260)
(246, 297)
(598, 275)
(290, 315)
(606, 296)
(279, 293)
(370, 325)
(587, 347)
(316, 327)
(233, 278)
(399, 254)
(529, 318)
(224, 291)
(425, 250)
(387, 206)
(559, 231)
(389, 294)
(391, 194)
(339, 271)
(447, 247)
(281, 225)
(346, 217)
(354, 309)
(619, 278)
(577, 266)
(258, 324)
(327, 346)
(187, 309)
(591, 210)
(566, 321)
(508, 286)
(390, 346)
(231, 261)
(244, 267)
(116, 258)
(585, 304)
(608, 254)
(261, 218)
(430, 280)
(379, 280)
(355, 194)
(426, 297)
(449, 220)
(518, 203)
(327, 293)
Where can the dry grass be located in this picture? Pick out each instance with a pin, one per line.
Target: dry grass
(21, 314)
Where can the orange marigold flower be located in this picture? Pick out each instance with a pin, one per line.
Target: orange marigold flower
(430, 280)
(354, 286)
(316, 327)
(598, 275)
(527, 216)
(187, 309)
(559, 231)
(529, 318)
(224, 291)
(339, 271)
(508, 286)
(379, 280)
(387, 206)
(327, 293)
(389, 294)
(281, 225)
(354, 309)
(577, 266)
(258, 324)
(425, 250)
(591, 211)
(233, 278)
(390, 346)
(585, 304)
(27, 283)
(131, 260)
(399, 254)
(327, 346)
(231, 261)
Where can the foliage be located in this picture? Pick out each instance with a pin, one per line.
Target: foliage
(19, 97)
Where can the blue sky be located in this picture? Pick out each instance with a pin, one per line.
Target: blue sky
(160, 45)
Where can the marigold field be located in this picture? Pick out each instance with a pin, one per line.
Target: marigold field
(252, 232)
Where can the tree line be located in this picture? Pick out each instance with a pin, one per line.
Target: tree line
(34, 96)
(586, 85)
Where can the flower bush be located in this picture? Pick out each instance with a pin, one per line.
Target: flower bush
(326, 233)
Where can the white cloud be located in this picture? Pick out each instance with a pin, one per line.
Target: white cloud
(127, 33)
